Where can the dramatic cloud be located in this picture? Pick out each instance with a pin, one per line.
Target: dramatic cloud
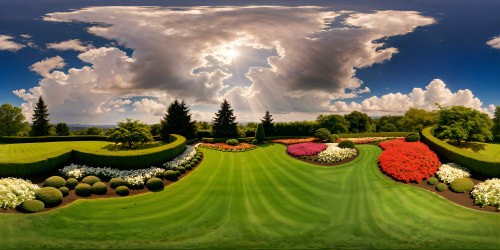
(494, 42)
(74, 44)
(6, 43)
(26, 36)
(45, 66)
(397, 103)
(312, 58)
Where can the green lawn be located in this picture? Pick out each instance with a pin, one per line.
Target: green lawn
(491, 150)
(33, 152)
(263, 199)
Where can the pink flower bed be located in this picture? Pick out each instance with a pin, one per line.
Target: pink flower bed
(305, 149)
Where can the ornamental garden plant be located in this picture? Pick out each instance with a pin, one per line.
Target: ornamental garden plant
(305, 149)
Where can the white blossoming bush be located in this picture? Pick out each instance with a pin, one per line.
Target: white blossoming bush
(14, 191)
(487, 193)
(333, 153)
(447, 173)
(183, 158)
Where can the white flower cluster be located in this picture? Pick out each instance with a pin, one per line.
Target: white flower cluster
(14, 191)
(132, 177)
(365, 140)
(183, 158)
(447, 173)
(487, 193)
(333, 153)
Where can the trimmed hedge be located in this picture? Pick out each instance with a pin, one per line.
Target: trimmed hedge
(122, 191)
(116, 182)
(83, 189)
(170, 175)
(59, 159)
(462, 185)
(16, 139)
(346, 144)
(32, 206)
(50, 196)
(482, 165)
(54, 181)
(71, 183)
(153, 157)
(432, 181)
(154, 184)
(413, 137)
(441, 187)
(232, 142)
(99, 188)
(91, 179)
(215, 140)
(64, 191)
(378, 134)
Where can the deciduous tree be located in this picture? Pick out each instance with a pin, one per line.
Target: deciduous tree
(62, 129)
(12, 120)
(358, 122)
(460, 123)
(336, 124)
(131, 132)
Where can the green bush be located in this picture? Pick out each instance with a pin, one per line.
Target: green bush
(462, 185)
(154, 183)
(83, 189)
(432, 181)
(116, 182)
(413, 137)
(255, 142)
(71, 183)
(99, 188)
(32, 206)
(188, 167)
(333, 138)
(323, 134)
(54, 181)
(346, 144)
(50, 196)
(170, 175)
(64, 191)
(441, 187)
(260, 134)
(376, 134)
(91, 179)
(181, 169)
(122, 190)
(486, 166)
(232, 142)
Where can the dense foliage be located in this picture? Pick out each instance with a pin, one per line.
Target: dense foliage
(336, 124)
(224, 123)
(305, 149)
(323, 134)
(177, 120)
(460, 123)
(54, 181)
(496, 124)
(12, 120)
(447, 173)
(389, 124)
(408, 161)
(267, 123)
(122, 190)
(32, 206)
(441, 187)
(50, 196)
(99, 188)
(294, 141)
(90, 179)
(358, 122)
(62, 129)
(462, 185)
(298, 128)
(416, 119)
(154, 184)
(83, 189)
(40, 126)
(346, 144)
(232, 142)
(131, 132)
(432, 181)
(413, 137)
(260, 133)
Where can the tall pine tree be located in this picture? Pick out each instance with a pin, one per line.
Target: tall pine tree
(496, 124)
(267, 122)
(224, 125)
(177, 120)
(41, 124)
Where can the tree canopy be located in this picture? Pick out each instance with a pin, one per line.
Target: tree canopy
(177, 120)
(40, 126)
(496, 124)
(336, 124)
(131, 132)
(260, 133)
(12, 120)
(267, 123)
(416, 119)
(62, 129)
(358, 122)
(224, 123)
(460, 123)
(389, 124)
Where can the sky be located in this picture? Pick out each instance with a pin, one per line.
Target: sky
(98, 62)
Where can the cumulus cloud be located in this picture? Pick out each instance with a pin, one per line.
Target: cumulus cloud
(494, 42)
(436, 92)
(6, 43)
(150, 106)
(73, 44)
(26, 36)
(45, 66)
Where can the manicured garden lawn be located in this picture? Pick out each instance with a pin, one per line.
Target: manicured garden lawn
(491, 150)
(263, 199)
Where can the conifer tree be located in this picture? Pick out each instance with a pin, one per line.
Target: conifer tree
(267, 122)
(41, 124)
(224, 125)
(260, 135)
(177, 120)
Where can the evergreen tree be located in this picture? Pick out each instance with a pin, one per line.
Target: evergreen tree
(177, 120)
(267, 122)
(224, 125)
(496, 124)
(41, 124)
(62, 129)
(260, 134)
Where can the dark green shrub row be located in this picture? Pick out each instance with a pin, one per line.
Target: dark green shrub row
(192, 141)
(298, 128)
(168, 152)
(482, 165)
(215, 140)
(413, 138)
(232, 142)
(25, 169)
(15, 139)
(378, 134)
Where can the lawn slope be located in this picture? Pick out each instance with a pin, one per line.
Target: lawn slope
(263, 199)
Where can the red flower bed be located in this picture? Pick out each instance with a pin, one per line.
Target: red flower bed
(408, 161)
(305, 149)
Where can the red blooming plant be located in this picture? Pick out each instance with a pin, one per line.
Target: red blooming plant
(408, 161)
(305, 149)
(294, 141)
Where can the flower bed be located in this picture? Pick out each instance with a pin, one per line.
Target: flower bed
(334, 154)
(408, 161)
(15, 191)
(294, 141)
(305, 149)
(225, 147)
(447, 173)
(183, 158)
(368, 140)
(487, 193)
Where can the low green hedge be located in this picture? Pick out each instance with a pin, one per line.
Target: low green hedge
(215, 140)
(16, 139)
(482, 165)
(12, 169)
(379, 134)
(155, 156)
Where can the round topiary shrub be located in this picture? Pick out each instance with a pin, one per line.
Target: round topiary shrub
(170, 175)
(346, 144)
(322, 133)
(232, 142)
(432, 181)
(462, 185)
(50, 196)
(122, 190)
(441, 187)
(333, 138)
(178, 172)
(99, 188)
(181, 169)
(32, 206)
(188, 167)
(91, 179)
(413, 137)
(116, 182)
(154, 184)
(71, 183)
(83, 189)
(255, 142)
(194, 161)
(64, 191)
(54, 181)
